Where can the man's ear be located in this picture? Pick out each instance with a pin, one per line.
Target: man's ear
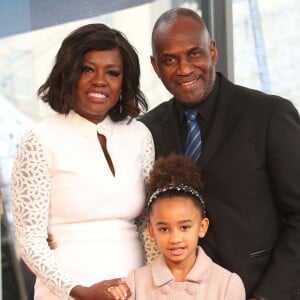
(214, 52)
(154, 65)
(203, 227)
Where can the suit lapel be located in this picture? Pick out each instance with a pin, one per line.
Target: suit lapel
(171, 131)
(222, 121)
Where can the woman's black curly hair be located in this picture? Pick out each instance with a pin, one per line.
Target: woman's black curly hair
(59, 89)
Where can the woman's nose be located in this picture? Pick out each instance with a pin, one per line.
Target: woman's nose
(99, 79)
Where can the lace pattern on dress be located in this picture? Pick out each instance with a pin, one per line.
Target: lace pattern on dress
(149, 245)
(148, 155)
(31, 188)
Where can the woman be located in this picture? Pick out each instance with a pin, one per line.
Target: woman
(80, 174)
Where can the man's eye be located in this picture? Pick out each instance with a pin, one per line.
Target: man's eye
(169, 61)
(198, 54)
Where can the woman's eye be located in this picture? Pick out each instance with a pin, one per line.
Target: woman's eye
(113, 73)
(86, 69)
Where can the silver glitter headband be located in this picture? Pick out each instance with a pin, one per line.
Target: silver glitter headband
(180, 188)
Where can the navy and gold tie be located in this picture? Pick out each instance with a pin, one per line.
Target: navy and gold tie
(193, 138)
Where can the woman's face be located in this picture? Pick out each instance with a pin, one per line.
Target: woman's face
(99, 85)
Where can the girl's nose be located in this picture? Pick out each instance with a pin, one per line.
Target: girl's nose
(175, 238)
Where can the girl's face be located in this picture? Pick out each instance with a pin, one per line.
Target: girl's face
(176, 224)
(99, 86)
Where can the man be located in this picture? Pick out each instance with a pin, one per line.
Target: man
(250, 157)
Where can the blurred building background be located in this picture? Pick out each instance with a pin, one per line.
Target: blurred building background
(258, 43)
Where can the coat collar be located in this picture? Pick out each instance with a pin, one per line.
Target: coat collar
(162, 275)
(171, 130)
(87, 128)
(226, 110)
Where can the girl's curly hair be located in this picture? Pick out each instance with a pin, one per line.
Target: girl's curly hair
(174, 170)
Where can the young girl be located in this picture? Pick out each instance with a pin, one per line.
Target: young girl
(177, 218)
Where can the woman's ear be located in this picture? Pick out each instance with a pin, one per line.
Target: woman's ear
(203, 227)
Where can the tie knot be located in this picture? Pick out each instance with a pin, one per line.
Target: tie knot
(191, 114)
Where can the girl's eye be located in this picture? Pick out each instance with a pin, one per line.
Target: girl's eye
(163, 229)
(185, 227)
(86, 69)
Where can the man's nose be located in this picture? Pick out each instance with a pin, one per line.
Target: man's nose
(185, 67)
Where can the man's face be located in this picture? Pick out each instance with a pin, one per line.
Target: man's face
(184, 59)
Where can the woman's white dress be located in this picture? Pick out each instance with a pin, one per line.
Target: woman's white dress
(61, 183)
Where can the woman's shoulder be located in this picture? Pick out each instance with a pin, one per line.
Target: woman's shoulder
(135, 125)
(45, 130)
(45, 123)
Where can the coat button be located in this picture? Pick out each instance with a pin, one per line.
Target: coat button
(165, 289)
(191, 289)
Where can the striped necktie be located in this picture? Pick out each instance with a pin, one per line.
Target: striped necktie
(193, 138)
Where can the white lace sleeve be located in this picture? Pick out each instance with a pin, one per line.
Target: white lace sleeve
(31, 188)
(148, 154)
(149, 245)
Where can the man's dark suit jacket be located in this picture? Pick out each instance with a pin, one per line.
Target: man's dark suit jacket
(250, 165)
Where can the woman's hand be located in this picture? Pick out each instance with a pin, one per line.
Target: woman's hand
(120, 292)
(113, 289)
(51, 242)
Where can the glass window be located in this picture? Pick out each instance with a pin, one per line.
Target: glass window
(266, 46)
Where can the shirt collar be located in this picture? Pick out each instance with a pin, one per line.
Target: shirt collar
(162, 275)
(87, 127)
(205, 108)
